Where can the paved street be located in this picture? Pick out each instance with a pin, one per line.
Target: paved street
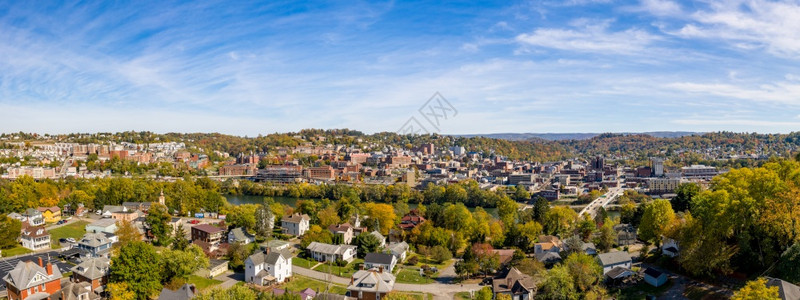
(6, 265)
(439, 290)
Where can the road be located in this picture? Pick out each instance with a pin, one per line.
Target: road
(601, 201)
(8, 264)
(439, 290)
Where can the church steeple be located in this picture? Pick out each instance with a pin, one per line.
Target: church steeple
(161, 199)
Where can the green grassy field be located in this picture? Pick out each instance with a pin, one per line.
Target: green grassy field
(303, 263)
(74, 230)
(299, 283)
(16, 251)
(407, 275)
(202, 283)
(345, 271)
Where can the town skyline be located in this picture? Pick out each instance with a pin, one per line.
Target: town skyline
(575, 66)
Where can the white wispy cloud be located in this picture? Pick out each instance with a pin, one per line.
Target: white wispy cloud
(779, 92)
(590, 36)
(749, 24)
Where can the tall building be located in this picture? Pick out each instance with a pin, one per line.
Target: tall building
(598, 163)
(658, 166)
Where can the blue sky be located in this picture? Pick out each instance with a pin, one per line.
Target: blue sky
(505, 66)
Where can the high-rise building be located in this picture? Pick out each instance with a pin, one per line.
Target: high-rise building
(658, 166)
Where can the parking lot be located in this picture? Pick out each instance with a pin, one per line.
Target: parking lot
(6, 265)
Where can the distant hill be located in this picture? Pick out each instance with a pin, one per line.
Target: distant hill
(574, 136)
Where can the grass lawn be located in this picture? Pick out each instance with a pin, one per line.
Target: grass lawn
(430, 262)
(407, 275)
(16, 251)
(462, 296)
(303, 263)
(345, 271)
(641, 290)
(74, 230)
(416, 295)
(299, 283)
(201, 282)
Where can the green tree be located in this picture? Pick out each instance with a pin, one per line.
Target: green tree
(10, 230)
(367, 243)
(179, 241)
(180, 264)
(521, 193)
(657, 216)
(138, 265)
(157, 220)
(484, 293)
(440, 254)
(756, 290)
(557, 285)
(540, 208)
(264, 221)
(120, 291)
(236, 292)
(559, 220)
(607, 236)
(585, 270)
(685, 192)
(788, 268)
(127, 233)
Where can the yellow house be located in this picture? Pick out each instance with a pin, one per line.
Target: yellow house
(50, 214)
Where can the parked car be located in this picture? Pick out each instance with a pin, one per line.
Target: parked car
(71, 240)
(194, 222)
(62, 240)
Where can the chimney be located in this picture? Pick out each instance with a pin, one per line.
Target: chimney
(40, 262)
(361, 267)
(352, 279)
(380, 269)
(49, 268)
(266, 251)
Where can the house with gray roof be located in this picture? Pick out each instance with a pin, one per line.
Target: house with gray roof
(102, 225)
(185, 292)
(75, 291)
(96, 244)
(786, 290)
(29, 280)
(380, 260)
(399, 250)
(331, 253)
(614, 259)
(515, 284)
(275, 245)
(94, 270)
(240, 235)
(295, 224)
(371, 284)
(268, 267)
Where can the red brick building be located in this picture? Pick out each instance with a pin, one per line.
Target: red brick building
(29, 279)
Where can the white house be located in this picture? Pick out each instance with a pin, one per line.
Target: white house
(345, 230)
(269, 266)
(34, 237)
(331, 253)
(296, 224)
(669, 247)
(614, 259)
(102, 225)
(399, 250)
(239, 235)
(378, 260)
